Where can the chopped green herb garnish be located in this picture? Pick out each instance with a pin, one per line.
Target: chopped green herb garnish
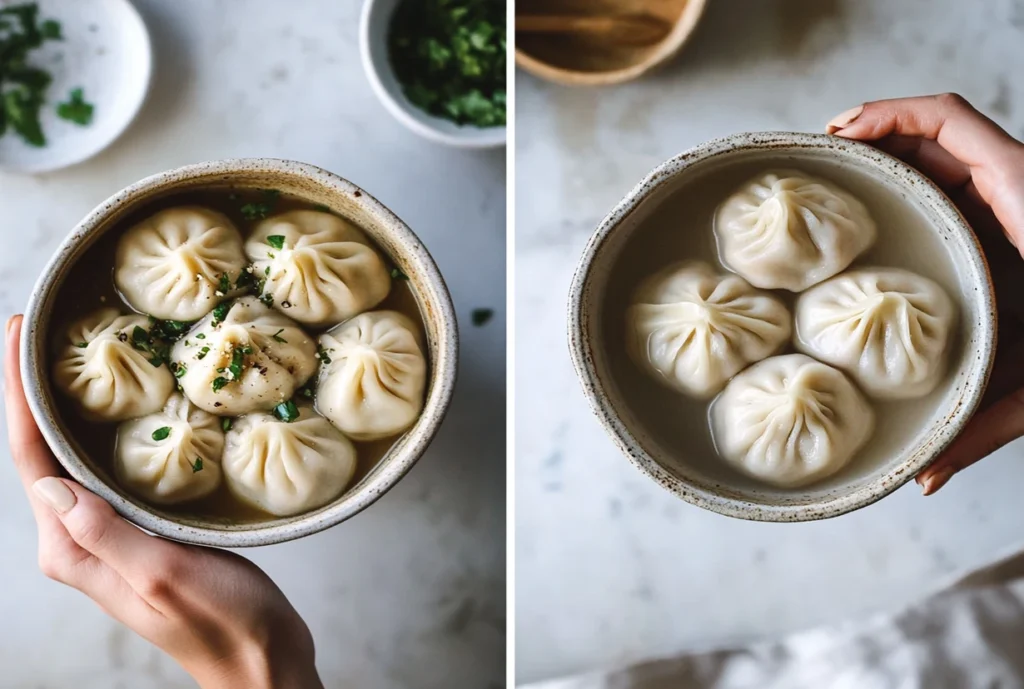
(198, 466)
(255, 211)
(224, 283)
(267, 298)
(482, 316)
(276, 241)
(246, 279)
(179, 370)
(219, 382)
(159, 350)
(168, 330)
(161, 433)
(200, 336)
(277, 337)
(220, 312)
(22, 86)
(246, 350)
(322, 355)
(225, 424)
(307, 391)
(237, 364)
(267, 271)
(202, 353)
(286, 411)
(83, 345)
(396, 274)
(76, 109)
(449, 57)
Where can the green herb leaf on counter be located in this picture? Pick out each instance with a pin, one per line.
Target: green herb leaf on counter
(449, 56)
(482, 316)
(76, 109)
(161, 433)
(51, 30)
(225, 424)
(276, 241)
(286, 411)
(396, 274)
(198, 466)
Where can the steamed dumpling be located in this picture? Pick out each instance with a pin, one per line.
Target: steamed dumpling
(108, 378)
(691, 329)
(319, 268)
(373, 376)
(287, 468)
(250, 358)
(172, 265)
(171, 456)
(790, 421)
(785, 230)
(889, 329)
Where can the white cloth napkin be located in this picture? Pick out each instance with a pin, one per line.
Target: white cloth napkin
(969, 635)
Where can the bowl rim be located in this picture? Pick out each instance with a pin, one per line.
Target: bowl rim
(670, 46)
(595, 390)
(402, 109)
(413, 443)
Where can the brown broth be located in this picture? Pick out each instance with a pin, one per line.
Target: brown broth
(90, 285)
(679, 227)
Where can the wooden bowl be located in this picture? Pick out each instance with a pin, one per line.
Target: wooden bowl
(581, 60)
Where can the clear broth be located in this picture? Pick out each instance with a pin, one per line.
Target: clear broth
(90, 286)
(679, 226)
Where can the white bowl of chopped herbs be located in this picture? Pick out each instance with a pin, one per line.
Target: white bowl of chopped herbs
(439, 67)
(73, 76)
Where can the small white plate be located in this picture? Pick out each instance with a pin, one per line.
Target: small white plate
(106, 52)
(373, 44)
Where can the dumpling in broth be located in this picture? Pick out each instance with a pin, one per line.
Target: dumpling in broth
(692, 329)
(373, 376)
(287, 468)
(243, 357)
(175, 264)
(109, 379)
(319, 268)
(888, 328)
(171, 456)
(785, 230)
(790, 421)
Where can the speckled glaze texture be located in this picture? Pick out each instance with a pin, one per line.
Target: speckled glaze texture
(316, 186)
(966, 388)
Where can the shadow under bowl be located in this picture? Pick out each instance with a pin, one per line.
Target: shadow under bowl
(316, 186)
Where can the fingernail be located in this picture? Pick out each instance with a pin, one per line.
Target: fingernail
(55, 493)
(843, 119)
(934, 481)
(10, 324)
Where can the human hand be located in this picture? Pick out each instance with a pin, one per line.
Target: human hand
(216, 613)
(981, 168)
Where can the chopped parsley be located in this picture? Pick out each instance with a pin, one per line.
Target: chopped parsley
(277, 337)
(276, 241)
(159, 350)
(322, 355)
(246, 279)
(168, 330)
(449, 57)
(482, 316)
(396, 274)
(307, 391)
(200, 336)
(179, 370)
(225, 424)
(219, 382)
(202, 353)
(161, 433)
(76, 109)
(267, 298)
(260, 210)
(237, 364)
(267, 271)
(286, 411)
(198, 466)
(220, 312)
(83, 345)
(23, 87)
(224, 283)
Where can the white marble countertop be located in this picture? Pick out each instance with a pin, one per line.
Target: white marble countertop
(610, 567)
(411, 593)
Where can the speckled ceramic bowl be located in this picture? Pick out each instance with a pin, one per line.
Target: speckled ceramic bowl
(312, 184)
(740, 498)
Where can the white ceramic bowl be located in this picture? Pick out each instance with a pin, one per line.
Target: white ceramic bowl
(373, 47)
(106, 51)
(687, 476)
